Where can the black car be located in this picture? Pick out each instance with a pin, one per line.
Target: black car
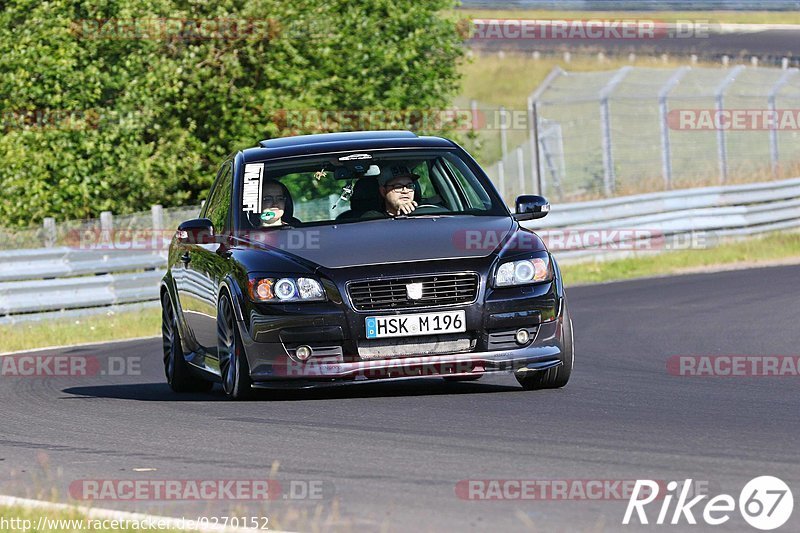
(354, 257)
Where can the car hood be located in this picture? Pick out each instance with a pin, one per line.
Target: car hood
(392, 240)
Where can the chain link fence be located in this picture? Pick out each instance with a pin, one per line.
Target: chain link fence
(639, 130)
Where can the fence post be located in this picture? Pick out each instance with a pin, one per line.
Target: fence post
(666, 153)
(473, 107)
(49, 236)
(501, 179)
(533, 141)
(605, 124)
(533, 127)
(503, 132)
(722, 150)
(521, 169)
(773, 132)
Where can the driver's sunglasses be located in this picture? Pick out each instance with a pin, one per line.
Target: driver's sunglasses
(272, 200)
(399, 186)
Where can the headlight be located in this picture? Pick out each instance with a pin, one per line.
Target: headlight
(285, 290)
(523, 271)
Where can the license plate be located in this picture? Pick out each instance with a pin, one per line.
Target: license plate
(420, 324)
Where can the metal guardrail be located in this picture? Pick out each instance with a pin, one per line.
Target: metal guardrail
(43, 284)
(670, 219)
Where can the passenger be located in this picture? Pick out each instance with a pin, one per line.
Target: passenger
(276, 205)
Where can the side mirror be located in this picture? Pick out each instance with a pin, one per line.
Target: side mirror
(530, 206)
(196, 231)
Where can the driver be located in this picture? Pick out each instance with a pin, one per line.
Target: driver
(396, 187)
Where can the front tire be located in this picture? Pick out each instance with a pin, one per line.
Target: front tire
(554, 378)
(233, 364)
(179, 374)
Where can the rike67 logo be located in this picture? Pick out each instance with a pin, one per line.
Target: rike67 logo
(766, 503)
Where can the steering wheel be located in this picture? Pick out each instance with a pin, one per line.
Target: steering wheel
(430, 209)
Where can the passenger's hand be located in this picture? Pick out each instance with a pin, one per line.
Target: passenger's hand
(406, 208)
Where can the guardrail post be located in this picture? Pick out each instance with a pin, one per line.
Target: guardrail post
(157, 232)
(49, 234)
(722, 149)
(106, 227)
(609, 179)
(773, 131)
(157, 213)
(106, 221)
(666, 153)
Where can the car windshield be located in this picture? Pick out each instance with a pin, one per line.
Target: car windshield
(354, 187)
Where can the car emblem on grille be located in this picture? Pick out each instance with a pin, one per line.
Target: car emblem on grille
(414, 291)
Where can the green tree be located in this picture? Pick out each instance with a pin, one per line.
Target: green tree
(102, 111)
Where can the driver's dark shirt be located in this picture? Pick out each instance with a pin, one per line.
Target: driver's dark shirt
(372, 213)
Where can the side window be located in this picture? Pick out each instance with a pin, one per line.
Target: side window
(475, 200)
(426, 187)
(218, 205)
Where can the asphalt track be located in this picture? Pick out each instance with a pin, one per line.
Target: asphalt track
(389, 456)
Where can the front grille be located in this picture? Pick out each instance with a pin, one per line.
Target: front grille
(390, 293)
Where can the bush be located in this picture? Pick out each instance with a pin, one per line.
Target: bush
(117, 115)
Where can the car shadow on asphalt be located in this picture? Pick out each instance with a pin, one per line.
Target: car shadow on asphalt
(160, 392)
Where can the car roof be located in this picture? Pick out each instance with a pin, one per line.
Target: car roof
(341, 142)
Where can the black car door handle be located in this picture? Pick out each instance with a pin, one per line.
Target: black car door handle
(186, 257)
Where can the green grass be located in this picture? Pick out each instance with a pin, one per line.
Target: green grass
(738, 17)
(96, 328)
(770, 249)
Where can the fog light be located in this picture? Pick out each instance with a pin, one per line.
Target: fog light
(522, 336)
(303, 352)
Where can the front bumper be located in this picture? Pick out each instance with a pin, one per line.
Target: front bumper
(337, 334)
(271, 367)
